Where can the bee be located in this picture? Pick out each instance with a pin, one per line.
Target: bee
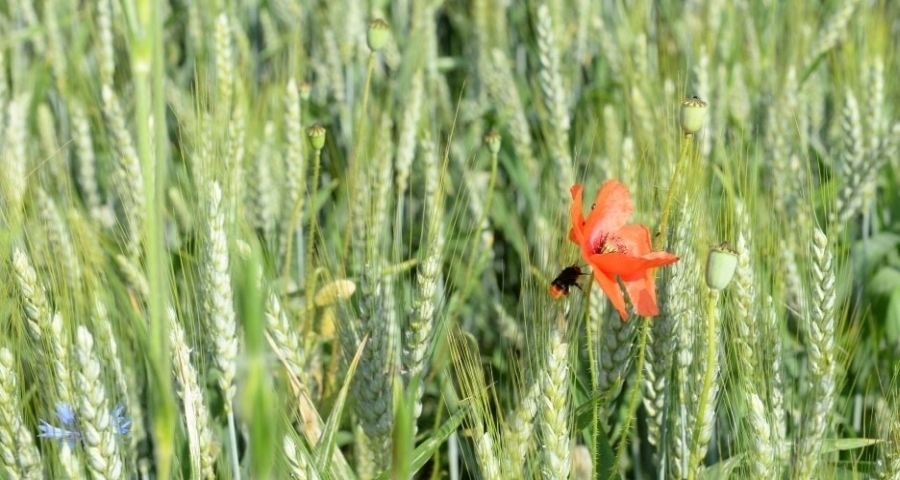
(566, 279)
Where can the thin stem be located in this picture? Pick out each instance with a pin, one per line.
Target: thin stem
(592, 366)
(297, 228)
(235, 461)
(298, 232)
(470, 268)
(357, 133)
(673, 185)
(147, 68)
(310, 272)
(707, 380)
(645, 325)
(487, 203)
(635, 389)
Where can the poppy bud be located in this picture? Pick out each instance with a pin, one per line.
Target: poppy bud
(378, 33)
(304, 89)
(693, 114)
(316, 135)
(720, 266)
(492, 140)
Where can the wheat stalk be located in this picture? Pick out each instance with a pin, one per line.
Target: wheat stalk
(224, 54)
(409, 127)
(748, 341)
(18, 453)
(55, 168)
(502, 90)
(617, 343)
(219, 308)
(372, 382)
(201, 444)
(664, 336)
(518, 431)
(4, 92)
(763, 451)
(888, 427)
(853, 171)
(15, 162)
(87, 170)
(286, 340)
(58, 238)
(128, 179)
(234, 158)
(554, 99)
(820, 336)
(105, 336)
(262, 194)
(554, 410)
(681, 413)
(418, 336)
(34, 296)
(831, 33)
(295, 173)
(300, 466)
(102, 451)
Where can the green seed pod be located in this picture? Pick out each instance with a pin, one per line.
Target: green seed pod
(720, 266)
(304, 89)
(693, 114)
(378, 34)
(316, 135)
(492, 140)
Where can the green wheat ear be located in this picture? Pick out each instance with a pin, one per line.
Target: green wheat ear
(400, 301)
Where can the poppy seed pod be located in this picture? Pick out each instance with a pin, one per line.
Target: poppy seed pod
(721, 262)
(316, 136)
(304, 89)
(377, 35)
(693, 114)
(492, 140)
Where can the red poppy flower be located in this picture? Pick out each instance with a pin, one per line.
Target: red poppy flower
(617, 250)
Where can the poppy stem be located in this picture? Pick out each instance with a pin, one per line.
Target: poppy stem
(708, 377)
(352, 166)
(592, 366)
(673, 184)
(310, 287)
(635, 389)
(479, 258)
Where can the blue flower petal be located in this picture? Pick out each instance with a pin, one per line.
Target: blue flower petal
(121, 421)
(49, 431)
(66, 414)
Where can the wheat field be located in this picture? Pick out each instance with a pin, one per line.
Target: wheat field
(340, 240)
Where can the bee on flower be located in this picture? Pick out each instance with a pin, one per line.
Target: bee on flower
(616, 251)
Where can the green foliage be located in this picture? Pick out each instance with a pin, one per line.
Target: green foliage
(299, 256)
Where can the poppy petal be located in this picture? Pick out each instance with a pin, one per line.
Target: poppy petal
(635, 238)
(612, 290)
(576, 234)
(642, 293)
(625, 265)
(617, 263)
(612, 209)
(661, 259)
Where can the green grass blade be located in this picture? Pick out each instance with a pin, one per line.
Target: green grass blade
(327, 442)
(427, 449)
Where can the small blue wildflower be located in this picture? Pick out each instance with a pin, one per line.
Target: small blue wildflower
(121, 424)
(66, 415)
(121, 421)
